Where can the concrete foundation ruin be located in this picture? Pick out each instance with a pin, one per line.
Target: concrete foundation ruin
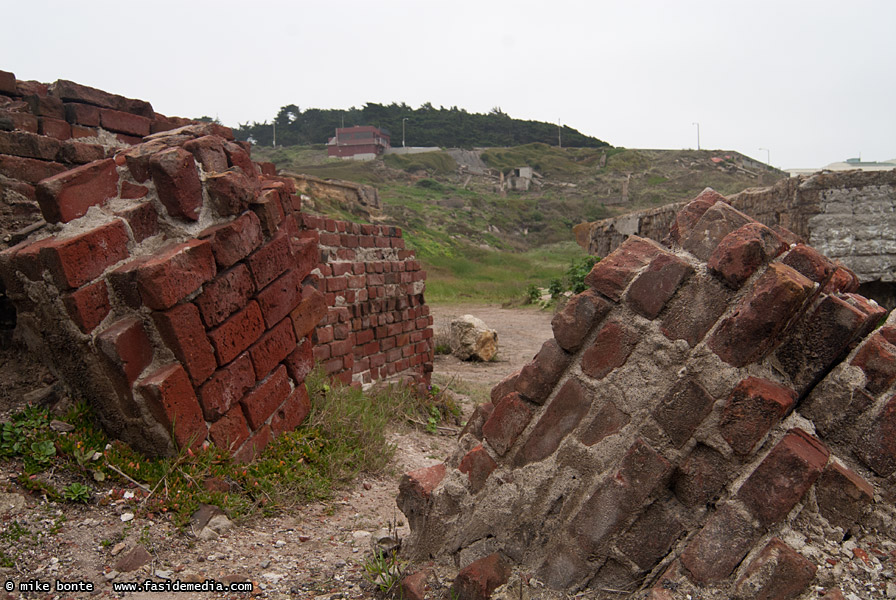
(704, 413)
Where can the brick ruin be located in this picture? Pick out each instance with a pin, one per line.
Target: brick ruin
(178, 285)
(705, 417)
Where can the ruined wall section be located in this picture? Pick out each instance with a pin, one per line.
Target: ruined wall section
(378, 325)
(704, 420)
(171, 289)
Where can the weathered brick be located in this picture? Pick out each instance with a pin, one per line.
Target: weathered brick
(415, 492)
(778, 573)
(810, 263)
(208, 150)
(656, 285)
(70, 194)
(877, 359)
(572, 324)
(225, 294)
(682, 410)
(234, 241)
(269, 261)
(743, 251)
(83, 114)
(477, 465)
(79, 153)
(225, 388)
(480, 578)
(751, 410)
(536, 380)
(651, 536)
(238, 157)
(834, 408)
(29, 145)
(177, 182)
(842, 495)
(719, 546)
(45, 106)
(279, 298)
(273, 347)
(237, 333)
(719, 220)
(54, 128)
(607, 421)
(8, 83)
(687, 217)
(141, 218)
(170, 397)
(79, 131)
(414, 586)
(612, 275)
(842, 280)
(174, 273)
(611, 348)
(231, 192)
(504, 387)
(783, 477)
(70, 91)
(127, 346)
(230, 431)
(293, 412)
(269, 210)
(878, 446)
(260, 403)
(77, 260)
(182, 331)
(759, 318)
(701, 477)
(309, 312)
(477, 420)
(563, 415)
(254, 445)
(88, 306)
(20, 121)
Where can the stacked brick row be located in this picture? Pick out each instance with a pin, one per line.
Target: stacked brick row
(698, 408)
(378, 325)
(172, 288)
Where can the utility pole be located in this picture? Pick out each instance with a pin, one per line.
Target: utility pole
(402, 130)
(698, 134)
(559, 141)
(275, 134)
(768, 157)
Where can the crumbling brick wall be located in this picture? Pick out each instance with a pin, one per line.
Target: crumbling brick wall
(699, 408)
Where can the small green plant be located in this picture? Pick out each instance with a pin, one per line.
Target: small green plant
(14, 532)
(384, 571)
(76, 492)
(555, 288)
(433, 420)
(533, 294)
(578, 270)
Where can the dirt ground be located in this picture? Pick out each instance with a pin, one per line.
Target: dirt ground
(316, 551)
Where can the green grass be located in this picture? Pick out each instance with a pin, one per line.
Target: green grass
(547, 160)
(435, 163)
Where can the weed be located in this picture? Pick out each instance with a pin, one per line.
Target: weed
(76, 492)
(384, 571)
(14, 532)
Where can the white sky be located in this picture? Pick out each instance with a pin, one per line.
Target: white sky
(813, 81)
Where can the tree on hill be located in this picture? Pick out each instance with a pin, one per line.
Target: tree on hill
(425, 126)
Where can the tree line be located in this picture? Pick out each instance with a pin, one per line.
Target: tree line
(425, 126)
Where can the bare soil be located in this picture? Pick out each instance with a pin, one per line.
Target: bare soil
(313, 551)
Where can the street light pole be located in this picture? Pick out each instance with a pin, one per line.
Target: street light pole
(768, 157)
(402, 130)
(698, 134)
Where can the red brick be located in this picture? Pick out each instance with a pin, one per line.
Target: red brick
(309, 312)
(751, 410)
(688, 216)
(480, 578)
(254, 446)
(574, 322)
(293, 412)
(171, 399)
(142, 219)
(415, 491)
(182, 331)
(55, 128)
(225, 294)
(682, 410)
(810, 263)
(132, 191)
(70, 91)
(230, 431)
(743, 251)
(127, 346)
(238, 157)
(83, 114)
(783, 477)
(305, 255)
(27, 88)
(231, 192)
(70, 194)
(237, 333)
(324, 335)
(878, 447)
(756, 325)
(8, 83)
(321, 353)
(234, 241)
(651, 536)
(122, 122)
(79, 131)
(279, 298)
(537, 379)
(414, 587)
(720, 546)
(611, 348)
(877, 359)
(269, 261)
(225, 388)
(21, 121)
(80, 153)
(778, 573)
(177, 182)
(174, 273)
(563, 415)
(273, 347)
(260, 403)
(719, 220)
(88, 306)
(607, 421)
(138, 159)
(654, 287)
(267, 168)
(29, 145)
(209, 152)
(269, 210)
(843, 280)
(504, 387)
(78, 260)
(123, 280)
(842, 495)
(477, 465)
(613, 274)
(700, 478)
(694, 311)
(45, 106)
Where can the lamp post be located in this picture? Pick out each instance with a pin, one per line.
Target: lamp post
(698, 134)
(402, 130)
(768, 157)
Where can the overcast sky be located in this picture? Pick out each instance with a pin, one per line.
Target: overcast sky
(814, 82)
